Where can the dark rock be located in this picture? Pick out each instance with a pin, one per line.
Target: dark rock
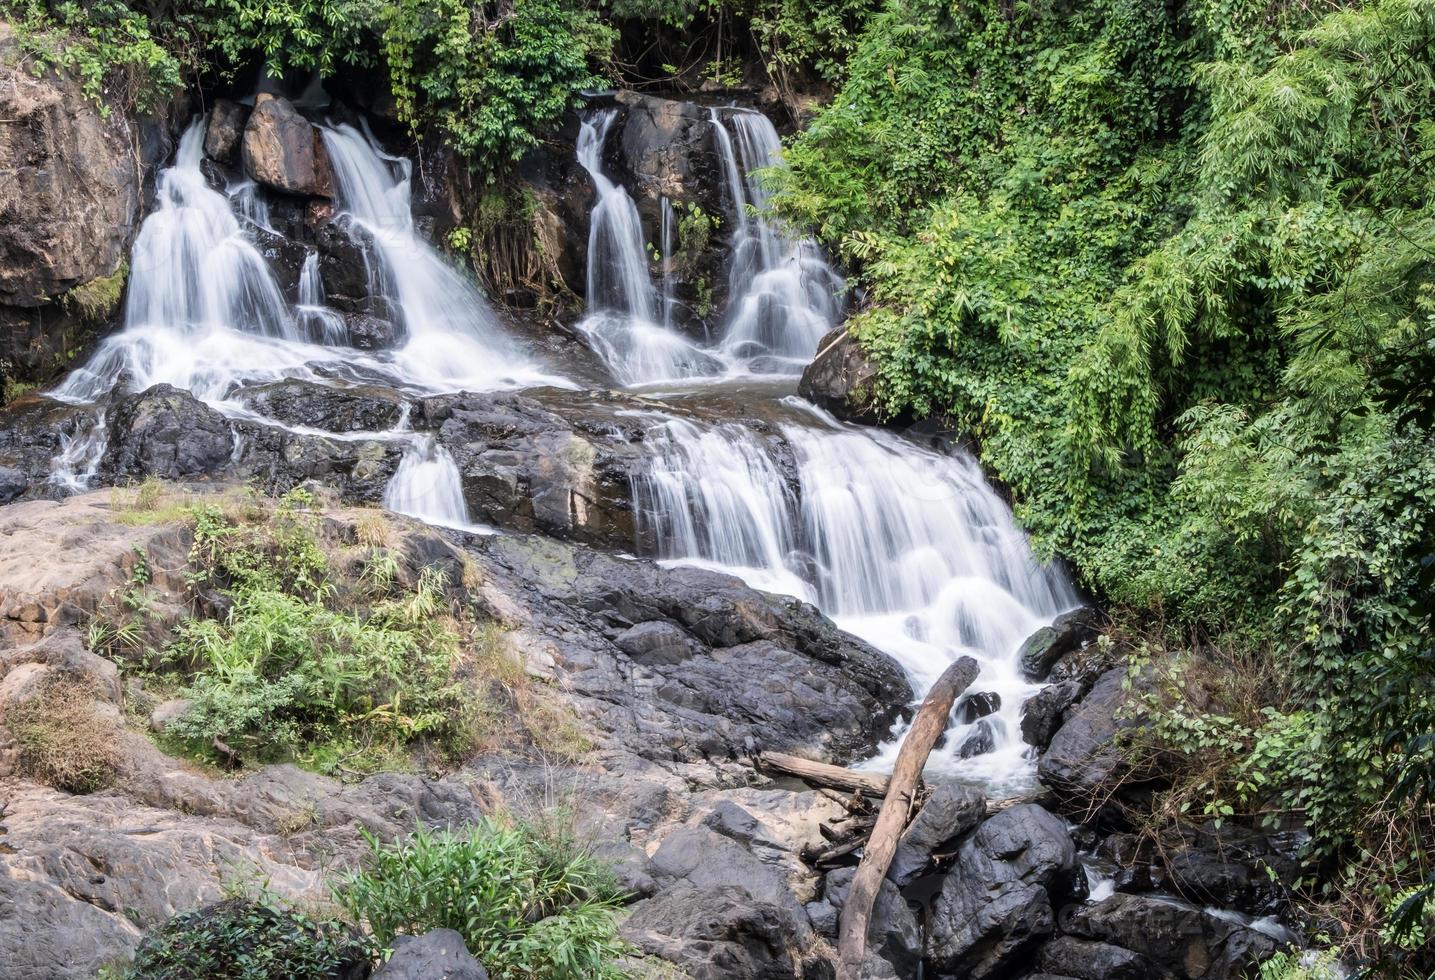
(764, 671)
(557, 462)
(439, 954)
(657, 643)
(950, 812)
(1088, 960)
(978, 705)
(1044, 712)
(225, 130)
(996, 904)
(294, 402)
(283, 151)
(1070, 632)
(285, 258)
(165, 432)
(718, 933)
(1084, 756)
(841, 378)
(367, 332)
(278, 460)
(12, 484)
(893, 932)
(344, 270)
(1181, 940)
(980, 741)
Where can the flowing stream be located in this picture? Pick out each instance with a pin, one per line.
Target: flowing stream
(903, 545)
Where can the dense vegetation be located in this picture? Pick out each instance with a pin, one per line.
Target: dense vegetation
(1171, 266)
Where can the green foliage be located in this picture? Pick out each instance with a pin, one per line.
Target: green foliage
(241, 940)
(528, 905)
(293, 671)
(110, 45)
(1171, 267)
(309, 34)
(491, 79)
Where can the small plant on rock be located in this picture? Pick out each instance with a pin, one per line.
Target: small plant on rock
(64, 740)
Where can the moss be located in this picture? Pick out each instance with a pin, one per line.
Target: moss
(99, 298)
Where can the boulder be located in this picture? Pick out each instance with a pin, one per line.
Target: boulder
(718, 933)
(1084, 959)
(438, 954)
(165, 432)
(950, 812)
(978, 705)
(1044, 712)
(996, 905)
(168, 712)
(841, 378)
(368, 332)
(1070, 632)
(12, 484)
(1085, 757)
(225, 130)
(893, 933)
(283, 151)
(304, 403)
(981, 740)
(1181, 940)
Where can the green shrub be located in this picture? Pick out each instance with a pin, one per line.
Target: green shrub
(241, 940)
(528, 907)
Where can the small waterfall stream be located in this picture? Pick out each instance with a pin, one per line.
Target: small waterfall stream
(908, 548)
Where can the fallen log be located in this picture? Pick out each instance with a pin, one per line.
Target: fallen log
(822, 773)
(927, 727)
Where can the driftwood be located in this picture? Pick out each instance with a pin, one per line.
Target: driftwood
(822, 773)
(901, 793)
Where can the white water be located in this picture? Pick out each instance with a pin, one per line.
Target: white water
(622, 323)
(785, 296)
(907, 548)
(427, 485)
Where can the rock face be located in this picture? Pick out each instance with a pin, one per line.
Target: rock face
(69, 207)
(997, 904)
(841, 378)
(438, 954)
(283, 151)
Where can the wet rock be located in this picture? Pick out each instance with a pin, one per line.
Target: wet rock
(304, 403)
(995, 906)
(765, 672)
(950, 812)
(1044, 712)
(225, 130)
(981, 741)
(368, 332)
(657, 643)
(278, 460)
(165, 432)
(285, 258)
(283, 151)
(439, 954)
(1182, 940)
(841, 379)
(1084, 959)
(561, 465)
(1085, 756)
(978, 705)
(1069, 633)
(344, 263)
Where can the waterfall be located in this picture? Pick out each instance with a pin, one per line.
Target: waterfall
(427, 485)
(452, 339)
(666, 238)
(905, 547)
(784, 295)
(319, 323)
(620, 323)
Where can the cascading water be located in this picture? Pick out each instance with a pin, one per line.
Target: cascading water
(621, 323)
(785, 296)
(427, 485)
(907, 548)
